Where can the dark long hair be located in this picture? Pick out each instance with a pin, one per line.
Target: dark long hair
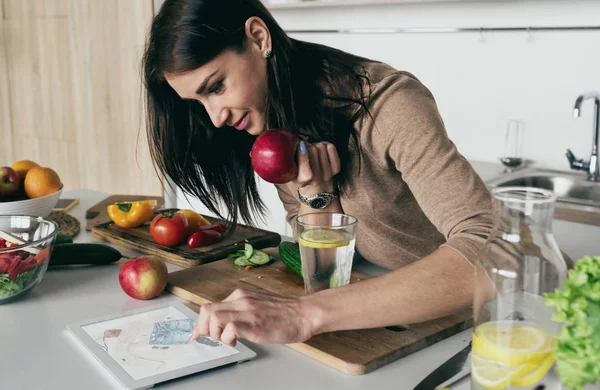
(315, 91)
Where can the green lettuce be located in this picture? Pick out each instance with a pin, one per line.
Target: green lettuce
(10, 287)
(577, 306)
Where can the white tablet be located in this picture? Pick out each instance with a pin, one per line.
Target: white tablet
(143, 347)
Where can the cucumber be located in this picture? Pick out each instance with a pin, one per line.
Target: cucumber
(249, 256)
(289, 253)
(248, 251)
(72, 254)
(336, 279)
(259, 258)
(63, 239)
(241, 262)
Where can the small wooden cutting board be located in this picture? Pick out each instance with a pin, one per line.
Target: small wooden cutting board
(353, 352)
(140, 240)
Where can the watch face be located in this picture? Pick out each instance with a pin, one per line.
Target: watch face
(318, 203)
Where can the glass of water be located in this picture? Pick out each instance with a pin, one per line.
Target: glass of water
(326, 249)
(513, 145)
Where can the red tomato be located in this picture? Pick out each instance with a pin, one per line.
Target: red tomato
(218, 227)
(169, 229)
(4, 263)
(42, 256)
(203, 238)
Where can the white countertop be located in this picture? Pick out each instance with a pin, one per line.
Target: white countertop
(39, 353)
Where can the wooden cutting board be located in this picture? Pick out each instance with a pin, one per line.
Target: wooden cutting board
(140, 240)
(354, 352)
(97, 213)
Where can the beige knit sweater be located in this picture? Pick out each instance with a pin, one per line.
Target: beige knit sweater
(414, 192)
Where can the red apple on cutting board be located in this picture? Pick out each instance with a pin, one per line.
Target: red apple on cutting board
(273, 156)
(143, 277)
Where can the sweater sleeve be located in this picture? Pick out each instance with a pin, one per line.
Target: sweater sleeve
(409, 135)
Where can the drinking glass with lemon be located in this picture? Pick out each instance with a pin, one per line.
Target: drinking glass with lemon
(326, 249)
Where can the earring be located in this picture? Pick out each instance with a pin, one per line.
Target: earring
(268, 54)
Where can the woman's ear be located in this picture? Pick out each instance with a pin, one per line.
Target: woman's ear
(259, 36)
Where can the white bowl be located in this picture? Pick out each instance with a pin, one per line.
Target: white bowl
(37, 207)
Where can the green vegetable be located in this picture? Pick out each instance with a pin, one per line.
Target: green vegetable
(249, 256)
(248, 251)
(289, 253)
(63, 239)
(10, 287)
(96, 254)
(259, 258)
(578, 306)
(241, 261)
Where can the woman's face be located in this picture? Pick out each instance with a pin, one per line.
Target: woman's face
(232, 87)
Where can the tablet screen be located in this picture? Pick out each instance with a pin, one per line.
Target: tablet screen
(154, 342)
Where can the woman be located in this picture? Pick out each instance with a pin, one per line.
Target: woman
(220, 72)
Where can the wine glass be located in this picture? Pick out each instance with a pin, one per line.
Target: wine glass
(513, 145)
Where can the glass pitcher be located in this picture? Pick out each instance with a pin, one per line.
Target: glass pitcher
(513, 331)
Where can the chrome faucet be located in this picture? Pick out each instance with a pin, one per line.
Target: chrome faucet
(593, 166)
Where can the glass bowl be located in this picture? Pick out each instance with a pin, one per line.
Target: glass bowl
(26, 244)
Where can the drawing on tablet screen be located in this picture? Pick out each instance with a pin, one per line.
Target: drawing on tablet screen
(154, 342)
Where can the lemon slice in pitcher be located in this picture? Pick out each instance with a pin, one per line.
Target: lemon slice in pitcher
(513, 343)
(536, 372)
(492, 374)
(322, 238)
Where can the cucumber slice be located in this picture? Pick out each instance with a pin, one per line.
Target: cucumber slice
(259, 258)
(336, 279)
(241, 262)
(248, 251)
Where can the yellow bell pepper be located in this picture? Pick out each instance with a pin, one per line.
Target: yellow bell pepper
(132, 214)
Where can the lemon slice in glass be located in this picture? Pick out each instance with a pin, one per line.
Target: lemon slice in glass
(492, 374)
(513, 343)
(322, 238)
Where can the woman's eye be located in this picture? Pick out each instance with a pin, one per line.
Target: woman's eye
(217, 88)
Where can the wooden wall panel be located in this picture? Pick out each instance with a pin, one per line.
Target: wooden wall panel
(29, 9)
(6, 143)
(74, 92)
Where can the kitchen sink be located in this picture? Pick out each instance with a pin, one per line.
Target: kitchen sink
(568, 187)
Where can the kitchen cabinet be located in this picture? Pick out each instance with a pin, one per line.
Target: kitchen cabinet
(70, 91)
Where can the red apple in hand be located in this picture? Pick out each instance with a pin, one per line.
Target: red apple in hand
(9, 181)
(274, 156)
(143, 277)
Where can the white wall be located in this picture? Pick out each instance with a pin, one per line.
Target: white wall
(479, 81)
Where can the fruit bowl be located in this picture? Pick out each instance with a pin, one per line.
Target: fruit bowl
(25, 247)
(38, 207)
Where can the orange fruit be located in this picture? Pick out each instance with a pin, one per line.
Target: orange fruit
(22, 167)
(41, 181)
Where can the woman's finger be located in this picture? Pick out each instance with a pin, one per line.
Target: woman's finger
(324, 164)
(201, 327)
(230, 334)
(218, 321)
(334, 159)
(305, 173)
(315, 166)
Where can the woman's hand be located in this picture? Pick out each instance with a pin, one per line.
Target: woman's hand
(317, 165)
(256, 317)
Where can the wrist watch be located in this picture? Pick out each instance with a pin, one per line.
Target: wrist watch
(317, 201)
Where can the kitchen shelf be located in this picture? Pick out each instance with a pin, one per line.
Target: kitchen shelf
(340, 3)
